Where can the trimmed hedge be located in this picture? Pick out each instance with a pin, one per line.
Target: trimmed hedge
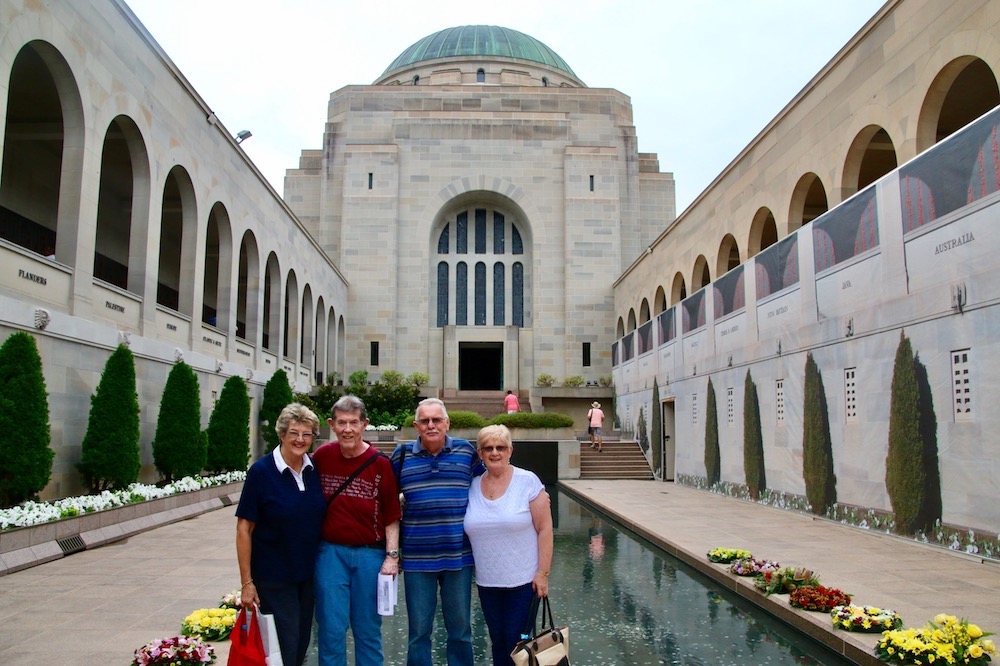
(532, 420)
(178, 447)
(753, 440)
(277, 395)
(817, 446)
(713, 457)
(229, 429)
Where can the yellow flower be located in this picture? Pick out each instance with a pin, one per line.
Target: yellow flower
(988, 646)
(940, 618)
(975, 652)
(975, 631)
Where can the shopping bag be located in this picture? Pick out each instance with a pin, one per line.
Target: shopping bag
(247, 648)
(548, 647)
(269, 634)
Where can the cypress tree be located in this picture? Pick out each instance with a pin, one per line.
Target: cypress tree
(713, 458)
(656, 428)
(905, 468)
(25, 454)
(229, 429)
(277, 395)
(110, 449)
(177, 447)
(817, 446)
(753, 440)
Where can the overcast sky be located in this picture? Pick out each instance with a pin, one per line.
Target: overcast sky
(705, 76)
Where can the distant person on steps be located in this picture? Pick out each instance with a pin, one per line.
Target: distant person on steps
(596, 418)
(510, 403)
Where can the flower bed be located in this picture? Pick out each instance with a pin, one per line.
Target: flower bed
(37, 513)
(175, 651)
(865, 619)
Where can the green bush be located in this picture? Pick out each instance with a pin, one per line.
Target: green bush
(229, 429)
(817, 446)
(713, 457)
(533, 420)
(545, 380)
(391, 399)
(277, 395)
(574, 381)
(177, 448)
(418, 379)
(753, 440)
(604, 380)
(109, 456)
(908, 473)
(25, 454)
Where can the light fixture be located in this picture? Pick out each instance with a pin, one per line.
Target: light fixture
(243, 135)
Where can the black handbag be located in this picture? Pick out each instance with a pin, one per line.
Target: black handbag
(548, 647)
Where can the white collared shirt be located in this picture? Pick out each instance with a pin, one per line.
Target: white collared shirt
(280, 463)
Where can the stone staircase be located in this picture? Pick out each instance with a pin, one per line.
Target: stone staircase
(485, 403)
(618, 460)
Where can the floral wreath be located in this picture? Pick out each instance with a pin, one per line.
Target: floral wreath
(751, 566)
(209, 624)
(866, 619)
(945, 637)
(174, 651)
(727, 555)
(785, 580)
(818, 598)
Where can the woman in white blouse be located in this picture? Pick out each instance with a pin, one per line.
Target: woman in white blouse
(509, 524)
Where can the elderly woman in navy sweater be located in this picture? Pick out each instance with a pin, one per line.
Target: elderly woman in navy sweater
(278, 525)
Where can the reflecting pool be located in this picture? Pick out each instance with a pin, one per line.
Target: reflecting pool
(627, 602)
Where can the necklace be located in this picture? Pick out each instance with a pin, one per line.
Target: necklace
(499, 485)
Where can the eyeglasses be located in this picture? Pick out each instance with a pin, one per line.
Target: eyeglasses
(304, 436)
(437, 420)
(501, 448)
(355, 424)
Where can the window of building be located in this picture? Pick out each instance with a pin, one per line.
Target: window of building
(416, 80)
(545, 82)
(498, 283)
(481, 76)
(779, 401)
(850, 395)
(586, 354)
(730, 406)
(961, 378)
(694, 408)
(371, 178)
(592, 183)
(374, 352)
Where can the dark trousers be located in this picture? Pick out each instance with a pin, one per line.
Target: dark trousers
(506, 611)
(292, 607)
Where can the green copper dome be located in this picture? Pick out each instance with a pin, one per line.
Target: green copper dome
(479, 40)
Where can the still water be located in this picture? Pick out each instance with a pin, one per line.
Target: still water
(627, 602)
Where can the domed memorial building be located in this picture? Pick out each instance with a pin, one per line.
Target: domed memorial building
(481, 200)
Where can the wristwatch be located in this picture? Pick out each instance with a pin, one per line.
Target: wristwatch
(394, 554)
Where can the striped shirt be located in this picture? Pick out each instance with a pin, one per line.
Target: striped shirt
(436, 491)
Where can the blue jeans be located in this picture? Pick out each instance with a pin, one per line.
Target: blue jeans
(506, 610)
(346, 580)
(421, 589)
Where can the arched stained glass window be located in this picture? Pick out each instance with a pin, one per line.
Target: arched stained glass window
(444, 238)
(462, 234)
(517, 294)
(442, 316)
(518, 246)
(480, 294)
(462, 294)
(499, 289)
(498, 233)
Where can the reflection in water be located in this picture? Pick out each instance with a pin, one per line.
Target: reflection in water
(627, 602)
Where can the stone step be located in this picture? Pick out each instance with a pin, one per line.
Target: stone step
(617, 460)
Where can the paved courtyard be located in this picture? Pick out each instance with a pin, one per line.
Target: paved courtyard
(96, 606)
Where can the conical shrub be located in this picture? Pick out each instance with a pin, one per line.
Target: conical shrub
(713, 457)
(177, 449)
(25, 452)
(229, 429)
(110, 450)
(753, 440)
(817, 446)
(277, 395)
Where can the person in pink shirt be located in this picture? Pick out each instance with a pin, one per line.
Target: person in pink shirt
(511, 404)
(596, 418)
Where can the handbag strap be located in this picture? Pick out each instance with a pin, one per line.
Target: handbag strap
(547, 610)
(531, 623)
(353, 476)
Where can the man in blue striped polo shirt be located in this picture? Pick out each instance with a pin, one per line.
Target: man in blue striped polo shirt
(435, 472)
